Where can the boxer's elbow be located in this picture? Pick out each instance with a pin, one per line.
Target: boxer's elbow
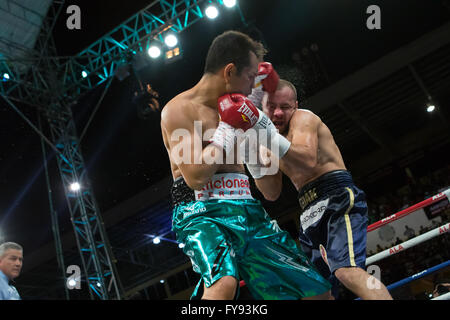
(197, 180)
(193, 175)
(198, 175)
(271, 190)
(272, 195)
(195, 183)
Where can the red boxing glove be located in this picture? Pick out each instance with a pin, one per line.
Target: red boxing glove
(238, 111)
(267, 77)
(266, 81)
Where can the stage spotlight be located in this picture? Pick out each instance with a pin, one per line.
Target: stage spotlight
(75, 186)
(229, 3)
(154, 52)
(181, 245)
(156, 240)
(6, 77)
(84, 74)
(431, 107)
(171, 40)
(211, 12)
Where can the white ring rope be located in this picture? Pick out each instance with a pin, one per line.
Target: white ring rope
(409, 244)
(407, 211)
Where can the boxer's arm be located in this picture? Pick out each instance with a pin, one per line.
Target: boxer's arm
(270, 185)
(181, 139)
(303, 151)
(197, 175)
(265, 171)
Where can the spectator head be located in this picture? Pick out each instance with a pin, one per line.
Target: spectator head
(11, 258)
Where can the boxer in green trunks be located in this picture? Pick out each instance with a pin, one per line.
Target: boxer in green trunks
(232, 235)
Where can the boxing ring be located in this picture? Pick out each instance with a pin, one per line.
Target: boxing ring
(438, 231)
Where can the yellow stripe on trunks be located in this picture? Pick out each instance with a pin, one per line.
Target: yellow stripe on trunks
(349, 228)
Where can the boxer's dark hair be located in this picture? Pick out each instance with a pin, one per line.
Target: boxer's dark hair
(232, 47)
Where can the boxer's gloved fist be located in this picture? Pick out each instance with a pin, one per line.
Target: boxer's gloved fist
(267, 77)
(224, 137)
(266, 81)
(239, 112)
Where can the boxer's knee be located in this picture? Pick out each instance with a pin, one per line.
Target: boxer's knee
(351, 276)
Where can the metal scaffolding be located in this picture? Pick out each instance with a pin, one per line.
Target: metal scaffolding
(53, 84)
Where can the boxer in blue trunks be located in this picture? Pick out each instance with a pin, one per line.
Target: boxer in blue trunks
(227, 234)
(333, 218)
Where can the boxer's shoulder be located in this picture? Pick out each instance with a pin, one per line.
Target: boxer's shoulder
(302, 117)
(183, 112)
(179, 109)
(305, 113)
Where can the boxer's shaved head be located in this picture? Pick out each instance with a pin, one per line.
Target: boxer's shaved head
(232, 47)
(284, 83)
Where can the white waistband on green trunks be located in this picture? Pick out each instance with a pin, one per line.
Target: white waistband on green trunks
(226, 186)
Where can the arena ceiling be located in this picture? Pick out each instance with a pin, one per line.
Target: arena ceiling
(20, 24)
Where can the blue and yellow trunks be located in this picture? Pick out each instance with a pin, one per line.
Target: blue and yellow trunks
(235, 237)
(333, 223)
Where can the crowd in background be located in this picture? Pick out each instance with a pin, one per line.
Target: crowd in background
(410, 262)
(410, 194)
(422, 256)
